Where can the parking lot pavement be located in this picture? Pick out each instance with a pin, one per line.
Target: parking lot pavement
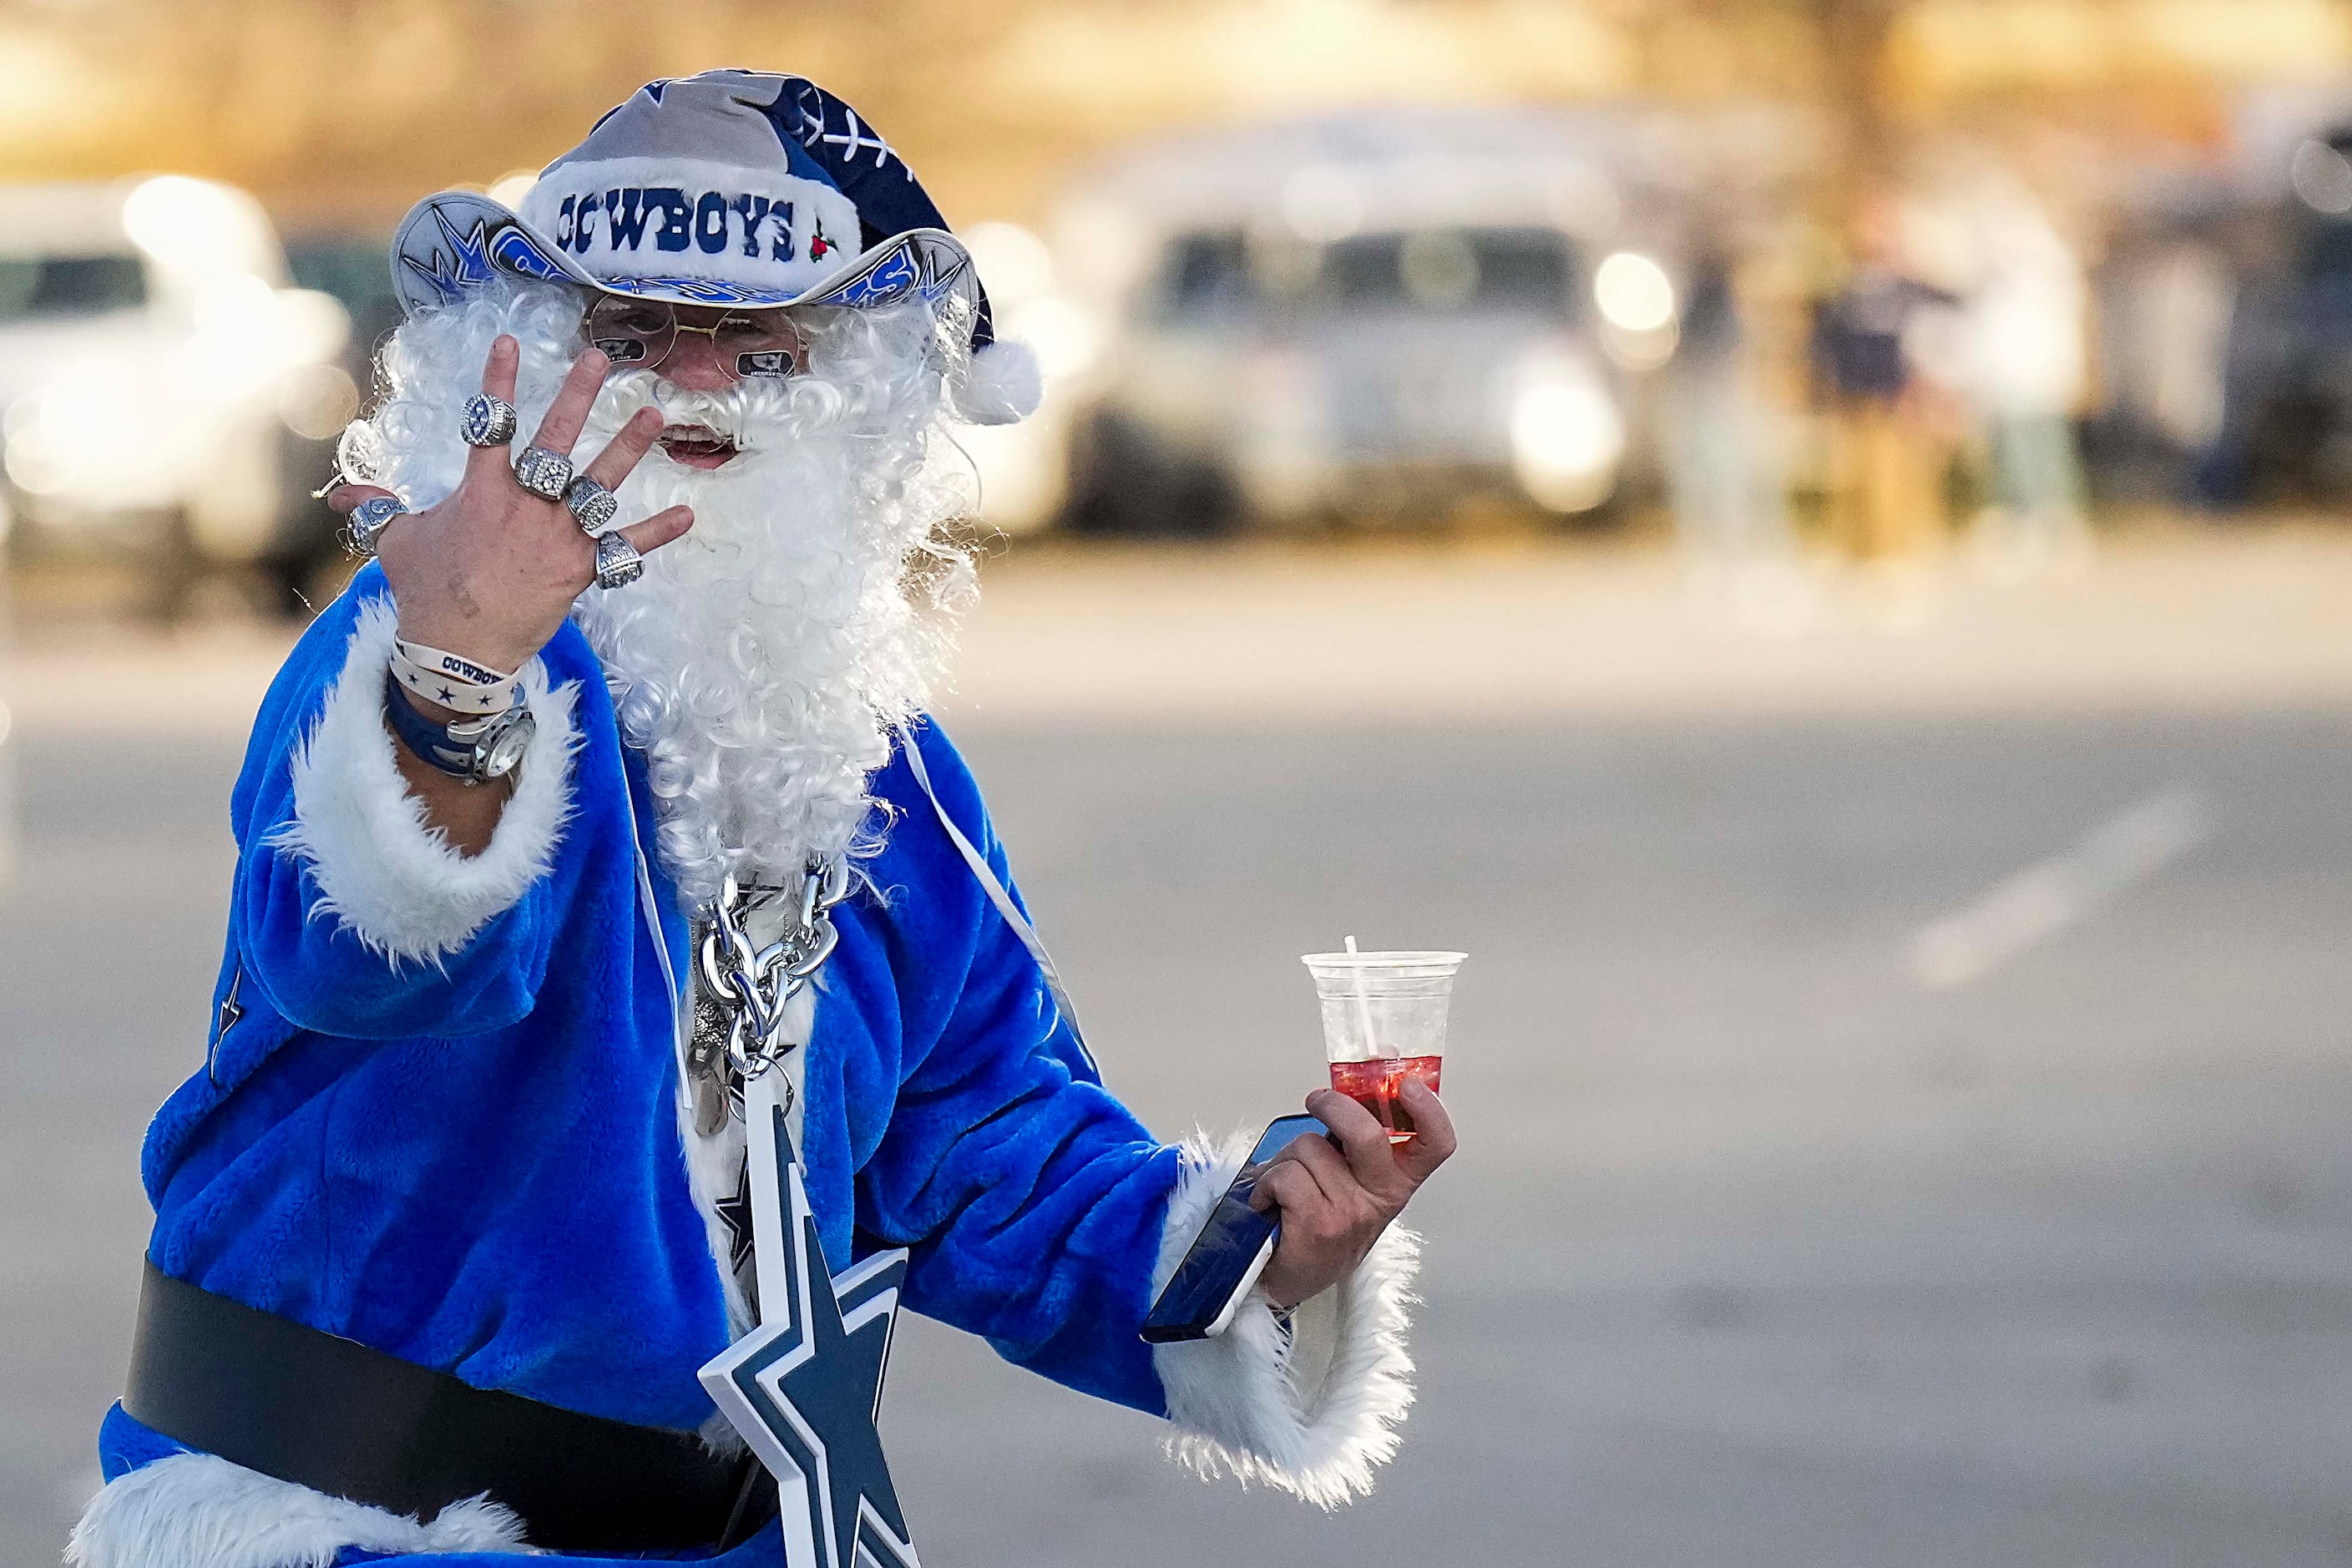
(1759, 1250)
(1767, 1245)
(1421, 632)
(1433, 633)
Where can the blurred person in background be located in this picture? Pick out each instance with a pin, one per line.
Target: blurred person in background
(2020, 339)
(544, 828)
(1729, 493)
(1879, 344)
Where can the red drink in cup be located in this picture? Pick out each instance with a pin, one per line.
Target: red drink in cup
(1383, 1022)
(1374, 1086)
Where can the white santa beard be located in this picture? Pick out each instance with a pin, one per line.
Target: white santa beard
(761, 660)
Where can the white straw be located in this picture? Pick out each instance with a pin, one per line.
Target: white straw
(1362, 1000)
(1364, 1005)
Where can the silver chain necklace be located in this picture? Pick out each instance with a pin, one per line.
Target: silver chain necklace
(741, 991)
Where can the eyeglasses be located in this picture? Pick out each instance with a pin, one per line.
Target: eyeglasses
(640, 334)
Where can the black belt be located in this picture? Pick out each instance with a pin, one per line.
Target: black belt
(344, 1418)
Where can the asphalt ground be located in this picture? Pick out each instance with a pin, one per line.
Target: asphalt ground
(1771, 1240)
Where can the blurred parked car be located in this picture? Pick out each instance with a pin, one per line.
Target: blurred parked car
(1370, 318)
(164, 390)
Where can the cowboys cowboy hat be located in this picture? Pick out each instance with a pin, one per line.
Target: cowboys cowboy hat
(742, 188)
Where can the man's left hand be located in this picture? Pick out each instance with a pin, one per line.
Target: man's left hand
(1336, 1201)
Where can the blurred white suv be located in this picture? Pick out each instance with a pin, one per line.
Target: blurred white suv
(1349, 319)
(158, 379)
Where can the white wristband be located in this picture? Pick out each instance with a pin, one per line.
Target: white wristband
(452, 680)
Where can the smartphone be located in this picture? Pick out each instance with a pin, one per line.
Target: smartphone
(1225, 1260)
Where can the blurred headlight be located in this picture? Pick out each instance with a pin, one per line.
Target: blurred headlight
(1633, 293)
(1322, 204)
(36, 463)
(1062, 336)
(317, 402)
(1637, 304)
(67, 437)
(249, 337)
(1021, 469)
(200, 227)
(1567, 438)
(2323, 177)
(110, 434)
(1017, 264)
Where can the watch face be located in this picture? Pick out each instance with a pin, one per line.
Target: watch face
(500, 752)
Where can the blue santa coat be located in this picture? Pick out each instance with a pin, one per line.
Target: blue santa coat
(476, 1165)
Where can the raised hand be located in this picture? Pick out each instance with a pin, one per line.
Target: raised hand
(1336, 1201)
(491, 571)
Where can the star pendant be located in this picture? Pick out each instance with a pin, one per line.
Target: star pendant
(805, 1388)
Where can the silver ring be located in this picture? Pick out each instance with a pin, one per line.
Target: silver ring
(487, 421)
(618, 564)
(542, 473)
(368, 521)
(592, 506)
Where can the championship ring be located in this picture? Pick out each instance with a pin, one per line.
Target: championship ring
(618, 564)
(369, 520)
(592, 506)
(544, 473)
(487, 421)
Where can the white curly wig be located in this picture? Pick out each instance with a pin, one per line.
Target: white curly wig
(760, 661)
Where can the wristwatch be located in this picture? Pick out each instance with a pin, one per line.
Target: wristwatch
(473, 750)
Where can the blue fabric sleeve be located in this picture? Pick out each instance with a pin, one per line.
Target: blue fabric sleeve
(1032, 1200)
(315, 971)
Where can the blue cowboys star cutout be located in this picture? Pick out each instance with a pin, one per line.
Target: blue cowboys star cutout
(805, 1388)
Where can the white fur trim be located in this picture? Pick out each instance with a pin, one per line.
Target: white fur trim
(198, 1511)
(385, 876)
(713, 1166)
(1244, 1403)
(1001, 385)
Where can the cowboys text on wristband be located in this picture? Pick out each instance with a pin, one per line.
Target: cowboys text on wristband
(452, 680)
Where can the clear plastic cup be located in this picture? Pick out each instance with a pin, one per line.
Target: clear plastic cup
(1383, 1022)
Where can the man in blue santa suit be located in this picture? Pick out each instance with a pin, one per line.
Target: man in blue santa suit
(538, 825)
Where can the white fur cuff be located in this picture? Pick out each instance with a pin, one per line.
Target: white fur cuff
(197, 1510)
(381, 873)
(1249, 1402)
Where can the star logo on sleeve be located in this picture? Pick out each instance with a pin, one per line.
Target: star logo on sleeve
(805, 1387)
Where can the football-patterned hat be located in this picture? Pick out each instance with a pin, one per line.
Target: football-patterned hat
(729, 188)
